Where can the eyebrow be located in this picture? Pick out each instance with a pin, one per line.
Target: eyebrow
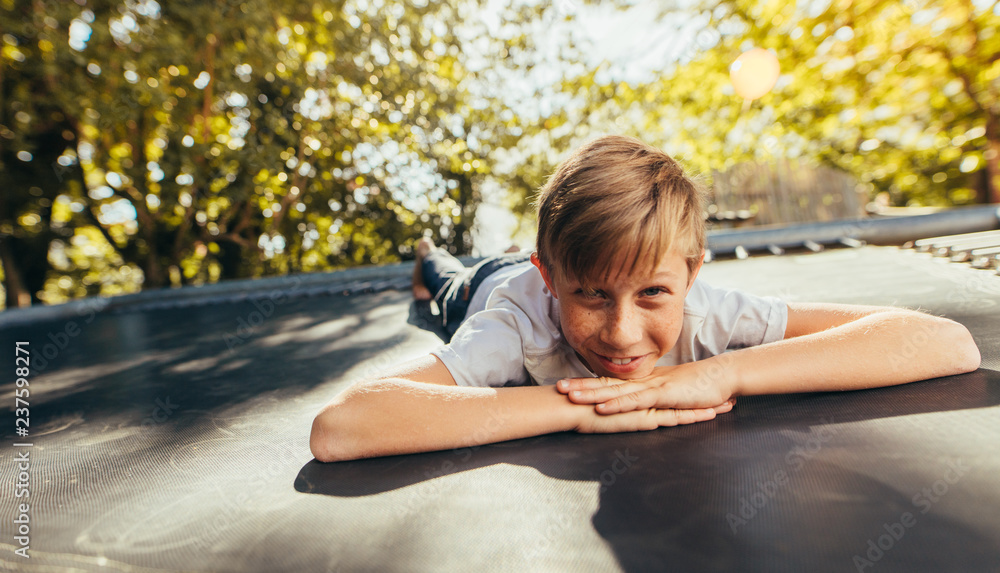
(664, 274)
(660, 277)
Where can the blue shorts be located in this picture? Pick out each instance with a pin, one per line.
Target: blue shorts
(452, 283)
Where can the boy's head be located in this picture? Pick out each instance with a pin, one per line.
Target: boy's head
(620, 239)
(617, 205)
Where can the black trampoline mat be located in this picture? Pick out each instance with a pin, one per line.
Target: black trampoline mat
(177, 439)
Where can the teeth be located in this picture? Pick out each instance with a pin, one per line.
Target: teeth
(621, 361)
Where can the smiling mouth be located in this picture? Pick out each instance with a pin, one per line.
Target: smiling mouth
(613, 364)
(620, 361)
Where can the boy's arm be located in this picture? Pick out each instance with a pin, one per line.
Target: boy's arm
(418, 408)
(841, 347)
(826, 347)
(422, 409)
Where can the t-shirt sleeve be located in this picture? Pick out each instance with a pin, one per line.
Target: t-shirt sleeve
(736, 319)
(487, 349)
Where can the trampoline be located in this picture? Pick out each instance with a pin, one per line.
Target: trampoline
(174, 436)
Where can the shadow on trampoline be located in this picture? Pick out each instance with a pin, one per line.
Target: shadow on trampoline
(204, 360)
(711, 494)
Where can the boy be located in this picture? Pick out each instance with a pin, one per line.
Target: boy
(607, 328)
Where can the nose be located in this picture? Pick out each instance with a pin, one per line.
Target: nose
(622, 329)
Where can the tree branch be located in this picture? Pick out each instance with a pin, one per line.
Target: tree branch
(94, 220)
(245, 218)
(206, 106)
(185, 226)
(297, 183)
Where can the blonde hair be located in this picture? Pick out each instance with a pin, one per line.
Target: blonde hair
(617, 201)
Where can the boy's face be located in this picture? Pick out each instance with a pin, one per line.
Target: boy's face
(622, 326)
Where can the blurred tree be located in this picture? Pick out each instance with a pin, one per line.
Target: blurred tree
(34, 131)
(236, 138)
(903, 95)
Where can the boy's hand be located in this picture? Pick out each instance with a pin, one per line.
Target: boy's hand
(646, 419)
(686, 386)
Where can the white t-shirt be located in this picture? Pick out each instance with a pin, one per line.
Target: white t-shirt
(511, 335)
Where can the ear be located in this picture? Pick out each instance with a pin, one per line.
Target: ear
(545, 273)
(694, 272)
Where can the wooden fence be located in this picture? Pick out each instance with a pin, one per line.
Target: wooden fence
(785, 192)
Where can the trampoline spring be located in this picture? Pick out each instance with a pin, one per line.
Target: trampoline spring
(981, 262)
(973, 245)
(948, 240)
(985, 252)
(812, 245)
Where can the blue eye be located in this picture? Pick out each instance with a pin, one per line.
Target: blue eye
(653, 291)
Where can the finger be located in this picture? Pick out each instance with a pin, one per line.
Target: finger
(695, 415)
(672, 417)
(621, 398)
(569, 384)
(605, 393)
(725, 406)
